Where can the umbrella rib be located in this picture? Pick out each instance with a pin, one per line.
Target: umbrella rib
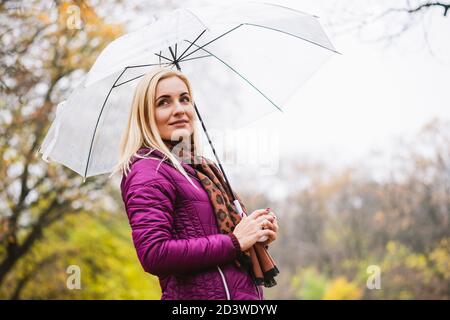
(195, 58)
(255, 25)
(146, 65)
(159, 55)
(208, 42)
(181, 55)
(115, 86)
(240, 75)
(138, 66)
(293, 35)
(98, 119)
(291, 9)
(174, 56)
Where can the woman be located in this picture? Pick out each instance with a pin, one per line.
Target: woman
(184, 224)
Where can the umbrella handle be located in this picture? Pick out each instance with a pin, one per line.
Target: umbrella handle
(241, 212)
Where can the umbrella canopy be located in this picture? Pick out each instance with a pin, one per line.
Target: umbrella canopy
(262, 53)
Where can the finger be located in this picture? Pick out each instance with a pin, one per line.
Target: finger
(260, 219)
(257, 213)
(274, 221)
(275, 225)
(263, 218)
(273, 214)
(267, 232)
(270, 238)
(273, 235)
(268, 225)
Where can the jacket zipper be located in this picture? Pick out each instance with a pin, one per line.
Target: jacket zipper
(259, 292)
(227, 292)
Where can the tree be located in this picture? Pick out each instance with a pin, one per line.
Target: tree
(43, 50)
(46, 47)
(99, 246)
(339, 224)
(385, 22)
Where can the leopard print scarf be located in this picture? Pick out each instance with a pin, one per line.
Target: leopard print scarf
(255, 260)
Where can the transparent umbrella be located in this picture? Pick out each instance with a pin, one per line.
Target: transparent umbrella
(265, 50)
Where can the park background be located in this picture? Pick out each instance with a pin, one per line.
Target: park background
(357, 168)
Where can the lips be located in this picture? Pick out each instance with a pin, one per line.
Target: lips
(179, 122)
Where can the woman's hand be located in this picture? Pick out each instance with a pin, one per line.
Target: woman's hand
(249, 229)
(274, 227)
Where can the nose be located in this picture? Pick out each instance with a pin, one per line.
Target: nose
(179, 108)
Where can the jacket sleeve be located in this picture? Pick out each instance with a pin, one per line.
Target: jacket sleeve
(150, 212)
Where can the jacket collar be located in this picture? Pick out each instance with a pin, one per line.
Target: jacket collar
(159, 154)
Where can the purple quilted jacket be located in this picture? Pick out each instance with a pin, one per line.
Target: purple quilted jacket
(175, 233)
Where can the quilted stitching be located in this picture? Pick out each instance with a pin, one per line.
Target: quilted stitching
(171, 222)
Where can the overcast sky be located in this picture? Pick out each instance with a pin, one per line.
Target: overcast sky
(366, 98)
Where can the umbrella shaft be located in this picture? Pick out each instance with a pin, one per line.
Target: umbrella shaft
(235, 201)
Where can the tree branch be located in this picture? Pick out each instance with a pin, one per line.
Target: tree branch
(431, 4)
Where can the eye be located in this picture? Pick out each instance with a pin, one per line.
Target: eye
(186, 98)
(161, 102)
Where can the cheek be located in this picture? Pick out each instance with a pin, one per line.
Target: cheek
(191, 111)
(161, 117)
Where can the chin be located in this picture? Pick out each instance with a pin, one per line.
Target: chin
(181, 132)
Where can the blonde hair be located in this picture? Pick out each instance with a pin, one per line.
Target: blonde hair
(141, 129)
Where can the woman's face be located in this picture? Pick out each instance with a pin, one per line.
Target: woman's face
(173, 109)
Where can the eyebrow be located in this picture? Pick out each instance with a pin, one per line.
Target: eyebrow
(168, 96)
